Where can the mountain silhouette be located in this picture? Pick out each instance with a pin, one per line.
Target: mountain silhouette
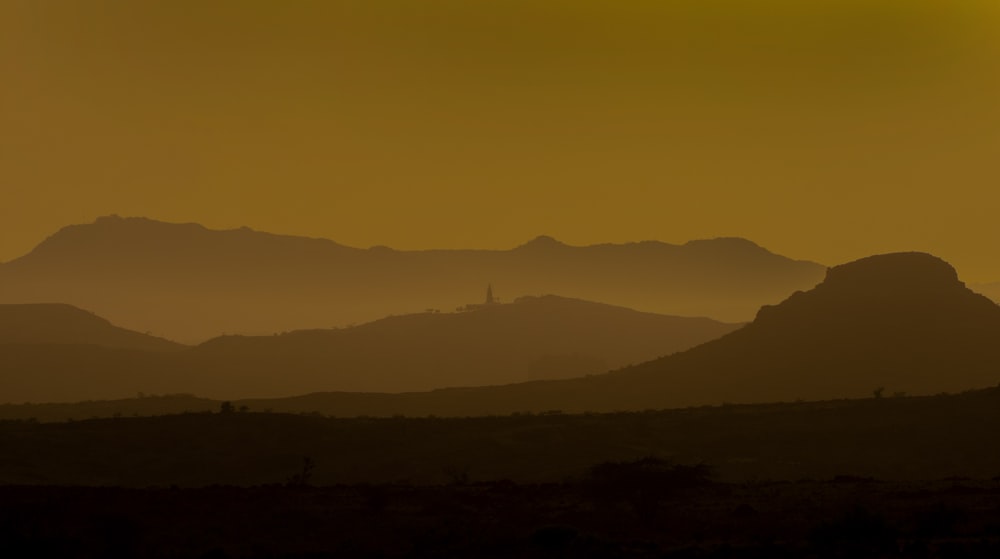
(991, 290)
(189, 283)
(903, 322)
(886, 324)
(532, 338)
(65, 324)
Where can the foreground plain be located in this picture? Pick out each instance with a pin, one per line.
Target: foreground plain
(900, 438)
(901, 477)
(594, 517)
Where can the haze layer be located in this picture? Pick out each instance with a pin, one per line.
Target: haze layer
(823, 130)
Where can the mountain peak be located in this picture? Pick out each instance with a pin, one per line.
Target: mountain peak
(893, 273)
(542, 242)
(114, 239)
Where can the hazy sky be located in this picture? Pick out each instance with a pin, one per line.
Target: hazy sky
(826, 130)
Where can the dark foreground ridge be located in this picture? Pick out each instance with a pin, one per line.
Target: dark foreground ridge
(903, 438)
(882, 477)
(642, 510)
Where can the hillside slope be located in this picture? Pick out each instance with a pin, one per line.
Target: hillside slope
(533, 338)
(900, 322)
(65, 324)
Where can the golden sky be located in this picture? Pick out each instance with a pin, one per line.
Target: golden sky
(826, 130)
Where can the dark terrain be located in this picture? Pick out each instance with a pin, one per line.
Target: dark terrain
(883, 477)
(594, 517)
(892, 438)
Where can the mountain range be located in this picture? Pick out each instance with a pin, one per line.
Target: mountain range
(188, 283)
(891, 324)
(59, 353)
(884, 325)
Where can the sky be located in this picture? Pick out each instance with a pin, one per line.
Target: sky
(826, 130)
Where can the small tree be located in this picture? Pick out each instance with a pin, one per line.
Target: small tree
(226, 407)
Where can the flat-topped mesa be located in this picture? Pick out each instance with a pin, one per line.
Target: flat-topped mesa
(893, 272)
(862, 290)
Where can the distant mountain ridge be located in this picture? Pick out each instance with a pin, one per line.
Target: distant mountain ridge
(189, 283)
(532, 338)
(893, 323)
